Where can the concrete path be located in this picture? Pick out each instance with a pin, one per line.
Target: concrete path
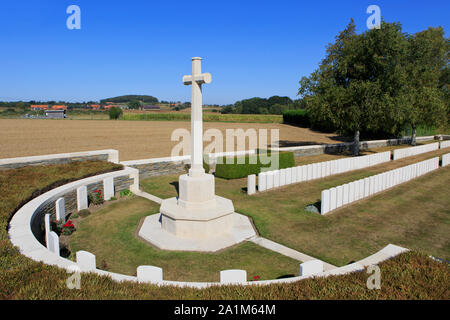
(148, 196)
(268, 244)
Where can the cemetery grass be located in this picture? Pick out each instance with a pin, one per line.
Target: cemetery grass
(111, 234)
(408, 276)
(415, 215)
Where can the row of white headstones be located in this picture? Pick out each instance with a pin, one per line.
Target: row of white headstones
(342, 195)
(51, 238)
(278, 178)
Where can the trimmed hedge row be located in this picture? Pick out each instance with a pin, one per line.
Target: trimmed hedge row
(300, 117)
(235, 170)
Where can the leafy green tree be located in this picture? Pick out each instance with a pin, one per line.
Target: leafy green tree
(428, 79)
(356, 87)
(134, 104)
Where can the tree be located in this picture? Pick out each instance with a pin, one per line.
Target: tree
(115, 113)
(427, 86)
(134, 104)
(356, 87)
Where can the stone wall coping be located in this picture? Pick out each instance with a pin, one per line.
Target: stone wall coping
(113, 156)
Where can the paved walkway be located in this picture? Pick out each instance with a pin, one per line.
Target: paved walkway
(148, 196)
(291, 253)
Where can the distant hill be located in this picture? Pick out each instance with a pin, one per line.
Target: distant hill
(128, 98)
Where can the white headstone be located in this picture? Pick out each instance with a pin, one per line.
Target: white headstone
(325, 201)
(351, 192)
(328, 166)
(108, 188)
(82, 198)
(282, 177)
(299, 173)
(361, 188)
(276, 178)
(315, 171)
(366, 187)
(149, 274)
(345, 194)
(251, 184)
(304, 170)
(288, 176)
(311, 267)
(309, 174)
(233, 276)
(293, 174)
(53, 242)
(86, 261)
(47, 228)
(323, 169)
(269, 183)
(60, 209)
(262, 181)
(339, 196)
(333, 200)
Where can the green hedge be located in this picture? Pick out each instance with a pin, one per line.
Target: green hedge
(236, 171)
(300, 117)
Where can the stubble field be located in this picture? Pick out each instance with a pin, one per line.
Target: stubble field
(134, 139)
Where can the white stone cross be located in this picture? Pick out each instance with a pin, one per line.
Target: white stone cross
(196, 80)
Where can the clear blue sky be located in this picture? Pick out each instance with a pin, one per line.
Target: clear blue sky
(251, 48)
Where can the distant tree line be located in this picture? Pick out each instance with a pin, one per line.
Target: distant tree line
(129, 98)
(272, 105)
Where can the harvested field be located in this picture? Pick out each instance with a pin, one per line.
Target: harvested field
(134, 139)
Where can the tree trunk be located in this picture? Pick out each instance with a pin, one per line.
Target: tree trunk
(356, 144)
(413, 135)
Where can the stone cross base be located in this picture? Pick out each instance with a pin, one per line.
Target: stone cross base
(240, 229)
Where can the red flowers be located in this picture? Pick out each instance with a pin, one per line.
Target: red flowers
(68, 224)
(256, 278)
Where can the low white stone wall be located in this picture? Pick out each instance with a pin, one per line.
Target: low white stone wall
(339, 196)
(107, 155)
(408, 152)
(278, 178)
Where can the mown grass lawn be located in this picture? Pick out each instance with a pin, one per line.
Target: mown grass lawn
(407, 276)
(110, 234)
(415, 215)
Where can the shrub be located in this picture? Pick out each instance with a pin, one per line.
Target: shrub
(68, 228)
(125, 193)
(115, 113)
(236, 171)
(299, 117)
(84, 213)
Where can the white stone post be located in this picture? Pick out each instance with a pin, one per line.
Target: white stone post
(251, 184)
(47, 229)
(53, 242)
